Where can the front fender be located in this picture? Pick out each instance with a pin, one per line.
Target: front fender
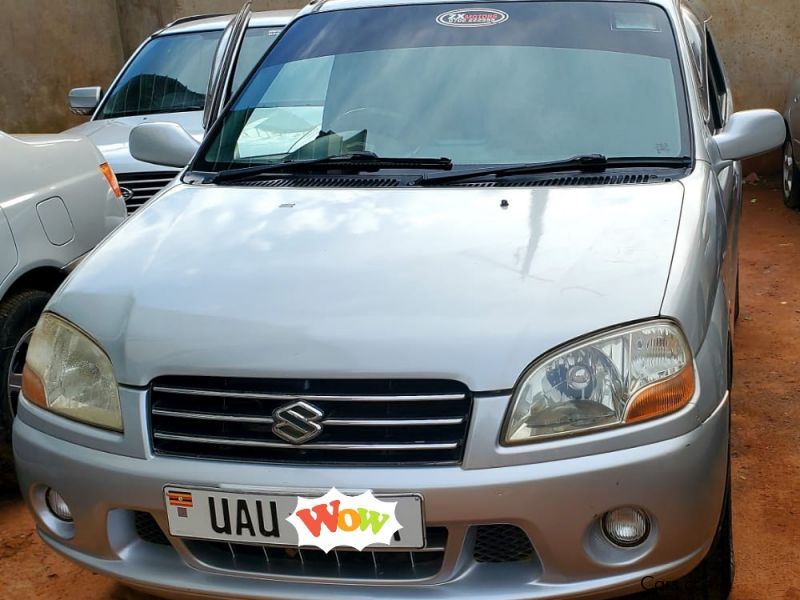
(697, 294)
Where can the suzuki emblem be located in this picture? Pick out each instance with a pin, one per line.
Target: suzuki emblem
(127, 194)
(297, 423)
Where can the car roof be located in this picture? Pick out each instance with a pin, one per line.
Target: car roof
(266, 18)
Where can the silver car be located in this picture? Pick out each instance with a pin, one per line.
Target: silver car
(58, 199)
(478, 259)
(167, 79)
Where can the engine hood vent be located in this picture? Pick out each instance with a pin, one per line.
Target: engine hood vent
(573, 181)
(361, 181)
(325, 181)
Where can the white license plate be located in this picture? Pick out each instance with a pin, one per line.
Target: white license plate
(257, 518)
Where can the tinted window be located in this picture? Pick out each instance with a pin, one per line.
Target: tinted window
(256, 42)
(718, 87)
(546, 81)
(171, 72)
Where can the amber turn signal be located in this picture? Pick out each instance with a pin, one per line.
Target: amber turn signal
(32, 387)
(662, 398)
(111, 178)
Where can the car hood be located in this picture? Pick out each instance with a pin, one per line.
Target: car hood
(111, 137)
(424, 283)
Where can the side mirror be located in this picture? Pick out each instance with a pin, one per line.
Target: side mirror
(749, 133)
(84, 101)
(166, 144)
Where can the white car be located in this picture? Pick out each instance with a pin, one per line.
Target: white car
(58, 199)
(159, 81)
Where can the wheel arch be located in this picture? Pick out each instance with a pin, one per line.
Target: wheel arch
(43, 278)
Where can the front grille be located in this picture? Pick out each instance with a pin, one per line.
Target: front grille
(361, 421)
(501, 544)
(342, 563)
(143, 186)
(148, 530)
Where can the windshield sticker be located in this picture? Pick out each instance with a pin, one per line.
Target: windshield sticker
(628, 20)
(472, 17)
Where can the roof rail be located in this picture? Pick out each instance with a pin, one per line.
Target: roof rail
(317, 5)
(194, 18)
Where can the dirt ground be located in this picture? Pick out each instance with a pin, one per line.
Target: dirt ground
(766, 436)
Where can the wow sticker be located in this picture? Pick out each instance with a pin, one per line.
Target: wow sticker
(337, 520)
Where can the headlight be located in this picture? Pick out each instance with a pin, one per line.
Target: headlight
(67, 373)
(626, 376)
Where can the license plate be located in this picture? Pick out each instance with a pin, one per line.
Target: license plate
(257, 518)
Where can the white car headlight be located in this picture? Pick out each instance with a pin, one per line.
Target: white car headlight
(69, 374)
(626, 376)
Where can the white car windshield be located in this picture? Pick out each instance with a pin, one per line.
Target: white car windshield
(506, 83)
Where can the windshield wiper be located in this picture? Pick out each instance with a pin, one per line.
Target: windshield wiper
(586, 163)
(352, 162)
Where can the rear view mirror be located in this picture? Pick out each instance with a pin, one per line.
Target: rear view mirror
(166, 144)
(84, 101)
(749, 133)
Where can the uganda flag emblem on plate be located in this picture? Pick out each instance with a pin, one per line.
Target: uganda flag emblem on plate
(180, 499)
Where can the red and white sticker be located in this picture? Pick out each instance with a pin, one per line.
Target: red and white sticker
(472, 17)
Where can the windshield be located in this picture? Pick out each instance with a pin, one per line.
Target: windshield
(506, 83)
(171, 72)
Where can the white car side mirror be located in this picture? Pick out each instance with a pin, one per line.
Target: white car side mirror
(166, 144)
(750, 133)
(84, 101)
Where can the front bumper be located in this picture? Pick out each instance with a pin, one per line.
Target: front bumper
(680, 482)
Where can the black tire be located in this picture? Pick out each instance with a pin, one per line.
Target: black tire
(18, 316)
(736, 302)
(791, 178)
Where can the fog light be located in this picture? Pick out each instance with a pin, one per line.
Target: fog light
(626, 527)
(58, 505)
